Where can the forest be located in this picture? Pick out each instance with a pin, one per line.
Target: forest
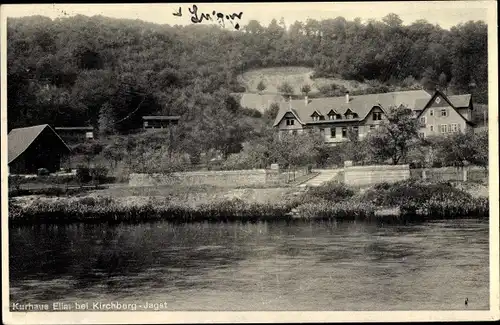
(108, 73)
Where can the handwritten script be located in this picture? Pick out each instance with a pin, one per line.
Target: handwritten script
(219, 17)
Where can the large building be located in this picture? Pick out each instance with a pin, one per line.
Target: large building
(335, 116)
(35, 147)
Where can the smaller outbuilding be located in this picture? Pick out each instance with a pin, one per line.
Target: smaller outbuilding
(35, 147)
(159, 122)
(75, 134)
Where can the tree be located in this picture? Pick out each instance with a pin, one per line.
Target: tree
(429, 79)
(271, 112)
(443, 82)
(305, 89)
(261, 86)
(286, 89)
(395, 137)
(106, 121)
(460, 148)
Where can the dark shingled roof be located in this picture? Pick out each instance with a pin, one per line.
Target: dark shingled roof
(74, 128)
(20, 139)
(359, 104)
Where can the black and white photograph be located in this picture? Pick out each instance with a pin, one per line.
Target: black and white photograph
(249, 162)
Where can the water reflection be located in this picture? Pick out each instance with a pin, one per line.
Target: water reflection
(256, 266)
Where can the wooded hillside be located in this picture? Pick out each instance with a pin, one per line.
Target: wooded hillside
(109, 72)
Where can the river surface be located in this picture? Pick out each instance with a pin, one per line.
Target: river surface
(314, 266)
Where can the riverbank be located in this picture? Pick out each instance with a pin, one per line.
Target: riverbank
(402, 201)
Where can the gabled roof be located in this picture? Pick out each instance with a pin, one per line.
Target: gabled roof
(361, 105)
(259, 102)
(458, 101)
(74, 128)
(161, 118)
(19, 140)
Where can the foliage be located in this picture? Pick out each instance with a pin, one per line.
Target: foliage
(271, 112)
(63, 71)
(83, 174)
(331, 191)
(305, 89)
(395, 137)
(460, 148)
(286, 89)
(261, 86)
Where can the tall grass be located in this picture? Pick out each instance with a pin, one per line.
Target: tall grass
(412, 201)
(99, 209)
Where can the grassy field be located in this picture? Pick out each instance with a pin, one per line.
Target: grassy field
(295, 76)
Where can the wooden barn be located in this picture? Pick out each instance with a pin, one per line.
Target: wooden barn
(35, 147)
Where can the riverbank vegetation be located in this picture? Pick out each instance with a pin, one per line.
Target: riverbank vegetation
(409, 201)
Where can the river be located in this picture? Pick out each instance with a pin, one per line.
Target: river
(314, 266)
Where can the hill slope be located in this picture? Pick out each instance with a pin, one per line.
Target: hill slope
(295, 76)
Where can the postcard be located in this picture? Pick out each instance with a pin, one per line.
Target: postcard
(249, 162)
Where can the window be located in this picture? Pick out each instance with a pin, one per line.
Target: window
(431, 127)
(355, 129)
(377, 116)
(294, 132)
(454, 127)
(421, 135)
(89, 135)
(290, 121)
(444, 112)
(372, 127)
(331, 116)
(333, 132)
(431, 112)
(322, 131)
(442, 128)
(423, 120)
(349, 116)
(344, 132)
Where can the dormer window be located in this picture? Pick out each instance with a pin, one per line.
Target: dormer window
(290, 121)
(354, 115)
(317, 117)
(349, 114)
(377, 116)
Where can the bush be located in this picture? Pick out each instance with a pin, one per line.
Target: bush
(413, 192)
(83, 174)
(331, 191)
(99, 174)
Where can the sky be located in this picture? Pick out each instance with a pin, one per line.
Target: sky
(444, 13)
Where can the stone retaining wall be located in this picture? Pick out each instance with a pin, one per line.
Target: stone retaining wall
(369, 175)
(217, 178)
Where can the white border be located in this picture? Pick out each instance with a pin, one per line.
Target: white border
(278, 317)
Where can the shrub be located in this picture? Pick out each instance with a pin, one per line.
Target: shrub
(42, 172)
(99, 174)
(331, 191)
(83, 174)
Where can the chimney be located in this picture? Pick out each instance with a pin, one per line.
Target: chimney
(290, 103)
(307, 100)
(347, 97)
